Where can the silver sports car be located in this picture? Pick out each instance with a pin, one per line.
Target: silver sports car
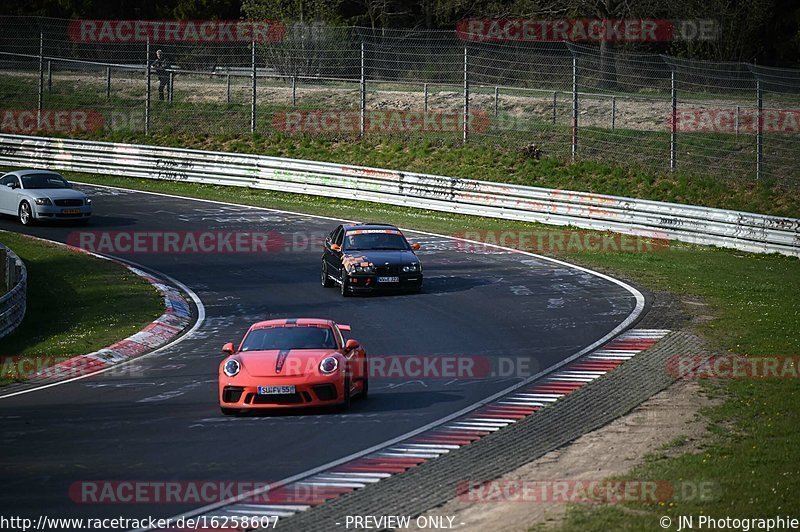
(34, 195)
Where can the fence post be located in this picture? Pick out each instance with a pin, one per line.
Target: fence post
(673, 144)
(253, 99)
(574, 107)
(108, 82)
(425, 97)
(228, 86)
(466, 98)
(294, 91)
(760, 129)
(40, 102)
(49, 75)
(613, 113)
(554, 107)
(147, 97)
(496, 101)
(362, 94)
(736, 120)
(171, 85)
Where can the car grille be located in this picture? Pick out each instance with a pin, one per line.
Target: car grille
(388, 270)
(325, 392)
(68, 202)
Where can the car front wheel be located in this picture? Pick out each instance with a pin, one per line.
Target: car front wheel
(326, 280)
(25, 213)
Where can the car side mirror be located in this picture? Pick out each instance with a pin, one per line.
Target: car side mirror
(11, 186)
(336, 247)
(351, 344)
(415, 246)
(228, 348)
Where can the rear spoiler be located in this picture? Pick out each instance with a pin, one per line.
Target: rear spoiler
(343, 327)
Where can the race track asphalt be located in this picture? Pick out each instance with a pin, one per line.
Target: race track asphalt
(159, 419)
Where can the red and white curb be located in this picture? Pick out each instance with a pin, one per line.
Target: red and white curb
(298, 496)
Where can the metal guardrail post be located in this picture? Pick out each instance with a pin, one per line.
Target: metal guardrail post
(362, 107)
(613, 113)
(555, 94)
(737, 118)
(108, 82)
(49, 75)
(759, 130)
(574, 107)
(40, 102)
(228, 86)
(673, 136)
(253, 99)
(148, 95)
(294, 91)
(466, 96)
(425, 97)
(496, 101)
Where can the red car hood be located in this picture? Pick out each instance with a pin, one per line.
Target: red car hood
(294, 362)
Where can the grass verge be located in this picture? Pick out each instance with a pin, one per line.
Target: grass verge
(76, 304)
(753, 460)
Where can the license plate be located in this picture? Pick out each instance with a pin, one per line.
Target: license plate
(70, 211)
(275, 390)
(388, 279)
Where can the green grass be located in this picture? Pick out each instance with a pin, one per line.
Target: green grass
(715, 170)
(753, 460)
(76, 303)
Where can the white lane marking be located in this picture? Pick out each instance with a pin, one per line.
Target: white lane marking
(201, 316)
(627, 322)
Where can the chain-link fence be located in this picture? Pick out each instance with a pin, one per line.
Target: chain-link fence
(566, 100)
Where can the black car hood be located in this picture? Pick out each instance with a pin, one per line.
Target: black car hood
(382, 258)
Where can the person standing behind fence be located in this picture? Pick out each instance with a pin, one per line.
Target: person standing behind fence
(161, 66)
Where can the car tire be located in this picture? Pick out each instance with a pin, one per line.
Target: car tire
(345, 286)
(326, 281)
(365, 389)
(25, 213)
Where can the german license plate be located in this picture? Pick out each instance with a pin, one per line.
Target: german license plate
(276, 390)
(70, 211)
(388, 279)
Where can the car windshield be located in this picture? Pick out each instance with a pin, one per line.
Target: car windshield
(293, 337)
(375, 241)
(31, 181)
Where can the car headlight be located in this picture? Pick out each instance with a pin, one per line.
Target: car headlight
(411, 268)
(359, 268)
(88, 201)
(231, 367)
(328, 365)
(43, 201)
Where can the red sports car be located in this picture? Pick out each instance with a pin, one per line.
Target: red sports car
(292, 363)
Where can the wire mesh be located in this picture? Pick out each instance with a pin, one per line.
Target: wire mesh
(729, 120)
